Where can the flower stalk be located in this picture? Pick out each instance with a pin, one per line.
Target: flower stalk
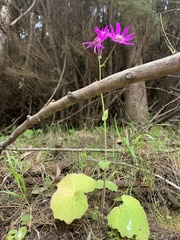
(117, 37)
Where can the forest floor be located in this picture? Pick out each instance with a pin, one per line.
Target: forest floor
(28, 179)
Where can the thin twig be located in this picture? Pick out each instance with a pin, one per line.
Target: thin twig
(157, 115)
(169, 44)
(60, 79)
(12, 124)
(175, 89)
(22, 15)
(167, 115)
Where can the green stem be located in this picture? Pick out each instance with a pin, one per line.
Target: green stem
(104, 63)
(103, 107)
(105, 129)
(105, 140)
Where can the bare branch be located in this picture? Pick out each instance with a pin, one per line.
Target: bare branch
(169, 44)
(14, 122)
(22, 15)
(152, 70)
(167, 115)
(60, 80)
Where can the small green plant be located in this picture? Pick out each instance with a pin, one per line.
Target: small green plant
(28, 134)
(129, 219)
(156, 130)
(19, 179)
(139, 140)
(2, 137)
(95, 214)
(19, 234)
(71, 130)
(69, 202)
(113, 235)
(6, 133)
(130, 149)
(83, 161)
(47, 182)
(136, 143)
(31, 137)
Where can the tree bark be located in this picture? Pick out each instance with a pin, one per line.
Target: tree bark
(4, 25)
(141, 73)
(135, 97)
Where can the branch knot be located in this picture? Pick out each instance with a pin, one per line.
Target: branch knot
(128, 75)
(70, 95)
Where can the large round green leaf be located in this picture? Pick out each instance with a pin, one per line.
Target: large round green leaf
(78, 182)
(69, 201)
(129, 219)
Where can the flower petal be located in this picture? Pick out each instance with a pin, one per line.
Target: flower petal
(128, 43)
(118, 28)
(97, 48)
(125, 31)
(106, 29)
(129, 38)
(112, 30)
(86, 42)
(130, 35)
(97, 30)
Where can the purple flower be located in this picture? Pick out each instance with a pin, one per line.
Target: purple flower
(96, 43)
(104, 33)
(121, 38)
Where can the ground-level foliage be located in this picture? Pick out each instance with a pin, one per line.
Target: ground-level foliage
(28, 179)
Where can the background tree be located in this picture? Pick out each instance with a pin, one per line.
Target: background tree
(4, 26)
(142, 23)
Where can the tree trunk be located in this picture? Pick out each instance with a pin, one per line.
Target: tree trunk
(4, 25)
(135, 96)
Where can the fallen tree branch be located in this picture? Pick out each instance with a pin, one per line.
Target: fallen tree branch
(117, 150)
(152, 70)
